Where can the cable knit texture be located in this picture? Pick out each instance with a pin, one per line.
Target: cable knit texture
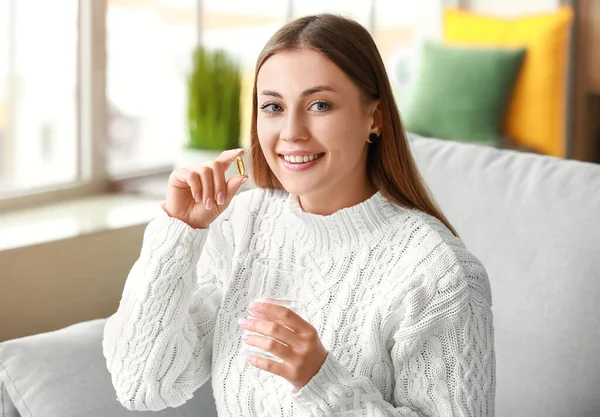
(403, 309)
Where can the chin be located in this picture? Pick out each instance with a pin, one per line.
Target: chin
(297, 187)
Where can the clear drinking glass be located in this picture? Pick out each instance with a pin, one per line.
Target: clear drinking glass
(277, 282)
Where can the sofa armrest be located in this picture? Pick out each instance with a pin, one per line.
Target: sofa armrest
(7, 408)
(63, 374)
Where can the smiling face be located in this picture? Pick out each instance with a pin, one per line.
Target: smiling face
(313, 126)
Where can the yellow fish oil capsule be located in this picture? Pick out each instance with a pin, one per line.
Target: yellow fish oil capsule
(240, 165)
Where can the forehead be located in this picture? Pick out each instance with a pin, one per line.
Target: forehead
(298, 69)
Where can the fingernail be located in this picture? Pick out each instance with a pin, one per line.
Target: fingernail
(197, 198)
(255, 305)
(209, 204)
(246, 336)
(242, 321)
(220, 198)
(239, 150)
(244, 180)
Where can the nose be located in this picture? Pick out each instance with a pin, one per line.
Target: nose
(294, 127)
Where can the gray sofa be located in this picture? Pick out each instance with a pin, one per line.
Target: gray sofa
(533, 221)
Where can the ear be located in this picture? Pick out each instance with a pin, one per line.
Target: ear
(376, 118)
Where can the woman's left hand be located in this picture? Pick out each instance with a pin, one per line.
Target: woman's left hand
(294, 340)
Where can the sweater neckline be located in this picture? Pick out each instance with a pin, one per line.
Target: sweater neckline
(349, 226)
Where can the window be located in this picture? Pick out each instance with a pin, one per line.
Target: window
(242, 28)
(149, 44)
(38, 93)
(75, 114)
(361, 11)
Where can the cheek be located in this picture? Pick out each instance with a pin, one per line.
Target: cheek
(267, 131)
(265, 135)
(343, 135)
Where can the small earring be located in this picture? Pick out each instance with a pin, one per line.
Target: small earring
(373, 137)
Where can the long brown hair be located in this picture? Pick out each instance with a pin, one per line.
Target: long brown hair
(390, 164)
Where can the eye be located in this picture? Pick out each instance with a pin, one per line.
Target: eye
(271, 107)
(320, 106)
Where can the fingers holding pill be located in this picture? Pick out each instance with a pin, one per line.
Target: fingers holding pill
(199, 193)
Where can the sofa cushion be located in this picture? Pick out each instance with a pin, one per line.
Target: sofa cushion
(534, 222)
(467, 100)
(63, 374)
(536, 116)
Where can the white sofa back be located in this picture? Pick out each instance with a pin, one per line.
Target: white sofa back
(534, 222)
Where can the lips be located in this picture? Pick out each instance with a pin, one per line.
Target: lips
(298, 159)
(300, 166)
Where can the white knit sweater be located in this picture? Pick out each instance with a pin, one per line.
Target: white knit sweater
(403, 309)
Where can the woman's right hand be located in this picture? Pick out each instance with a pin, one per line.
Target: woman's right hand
(197, 195)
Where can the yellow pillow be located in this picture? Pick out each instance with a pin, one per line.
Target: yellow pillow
(536, 115)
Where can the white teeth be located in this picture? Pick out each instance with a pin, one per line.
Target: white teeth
(298, 159)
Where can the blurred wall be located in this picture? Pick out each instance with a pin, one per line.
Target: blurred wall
(513, 7)
(48, 286)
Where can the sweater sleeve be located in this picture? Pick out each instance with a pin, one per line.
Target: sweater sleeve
(158, 344)
(442, 355)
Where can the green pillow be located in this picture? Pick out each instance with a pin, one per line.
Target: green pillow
(462, 93)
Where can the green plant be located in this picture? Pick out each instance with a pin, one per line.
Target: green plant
(214, 88)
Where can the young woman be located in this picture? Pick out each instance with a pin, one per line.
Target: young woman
(398, 321)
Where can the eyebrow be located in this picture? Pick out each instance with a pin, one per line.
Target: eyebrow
(307, 92)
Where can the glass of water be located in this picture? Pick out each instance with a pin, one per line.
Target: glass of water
(276, 282)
